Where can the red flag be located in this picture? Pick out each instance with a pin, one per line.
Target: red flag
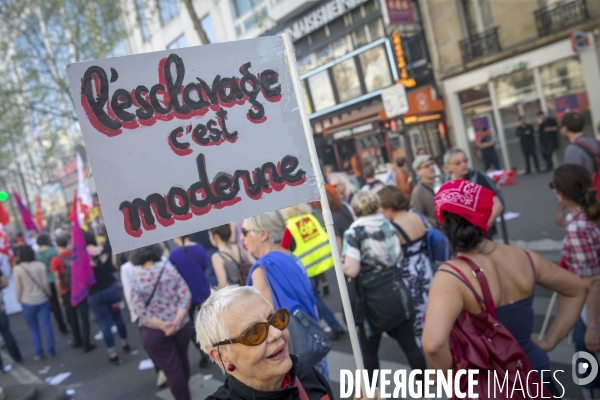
(39, 219)
(25, 215)
(73, 213)
(4, 218)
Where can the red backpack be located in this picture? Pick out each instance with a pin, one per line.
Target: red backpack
(480, 341)
(596, 157)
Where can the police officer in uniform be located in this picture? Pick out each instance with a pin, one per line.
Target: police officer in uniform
(525, 133)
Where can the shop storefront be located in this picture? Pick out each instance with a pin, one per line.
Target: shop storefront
(358, 143)
(424, 126)
(554, 79)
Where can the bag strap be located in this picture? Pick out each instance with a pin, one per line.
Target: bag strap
(35, 281)
(401, 231)
(485, 288)
(193, 256)
(459, 274)
(155, 286)
(532, 264)
(590, 152)
(230, 257)
(301, 391)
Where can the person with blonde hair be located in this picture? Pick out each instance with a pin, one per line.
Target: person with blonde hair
(278, 275)
(381, 302)
(343, 186)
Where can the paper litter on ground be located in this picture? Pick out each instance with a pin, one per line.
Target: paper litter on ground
(146, 364)
(58, 379)
(509, 215)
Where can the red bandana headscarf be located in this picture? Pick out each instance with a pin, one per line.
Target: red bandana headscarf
(466, 199)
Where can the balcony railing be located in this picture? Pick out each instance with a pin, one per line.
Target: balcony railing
(481, 45)
(553, 19)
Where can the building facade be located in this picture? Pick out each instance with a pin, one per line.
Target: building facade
(504, 59)
(348, 52)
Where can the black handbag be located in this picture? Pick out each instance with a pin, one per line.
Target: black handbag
(386, 299)
(307, 339)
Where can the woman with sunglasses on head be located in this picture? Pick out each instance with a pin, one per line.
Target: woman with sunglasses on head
(161, 299)
(463, 209)
(278, 275)
(580, 253)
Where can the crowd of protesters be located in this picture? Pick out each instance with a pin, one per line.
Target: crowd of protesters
(386, 230)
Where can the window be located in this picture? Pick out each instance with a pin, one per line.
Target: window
(336, 25)
(375, 68)
(318, 35)
(207, 25)
(256, 20)
(178, 43)
(139, 8)
(342, 47)
(375, 30)
(477, 16)
(370, 7)
(243, 6)
(321, 91)
(414, 51)
(346, 79)
(324, 56)
(305, 64)
(360, 37)
(167, 10)
(356, 15)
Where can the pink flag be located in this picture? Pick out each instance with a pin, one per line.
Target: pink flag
(82, 275)
(25, 215)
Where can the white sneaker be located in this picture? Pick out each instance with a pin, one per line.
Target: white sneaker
(98, 336)
(161, 379)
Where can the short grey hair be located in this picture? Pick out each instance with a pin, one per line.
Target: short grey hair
(272, 222)
(451, 152)
(365, 203)
(211, 318)
(350, 188)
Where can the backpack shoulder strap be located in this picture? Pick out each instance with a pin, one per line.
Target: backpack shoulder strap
(485, 288)
(459, 274)
(595, 156)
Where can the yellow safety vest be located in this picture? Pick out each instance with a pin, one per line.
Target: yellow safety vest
(312, 244)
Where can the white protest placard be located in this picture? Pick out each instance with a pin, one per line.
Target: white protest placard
(395, 101)
(184, 140)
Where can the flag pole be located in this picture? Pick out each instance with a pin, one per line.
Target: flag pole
(327, 217)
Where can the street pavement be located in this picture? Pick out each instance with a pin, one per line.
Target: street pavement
(93, 378)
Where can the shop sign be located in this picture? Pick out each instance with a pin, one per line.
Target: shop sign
(507, 69)
(579, 41)
(400, 11)
(173, 154)
(321, 16)
(395, 101)
(401, 62)
(344, 133)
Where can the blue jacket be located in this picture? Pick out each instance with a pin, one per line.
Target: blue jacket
(288, 282)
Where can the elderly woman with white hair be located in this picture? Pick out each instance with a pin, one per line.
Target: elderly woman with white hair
(279, 276)
(248, 339)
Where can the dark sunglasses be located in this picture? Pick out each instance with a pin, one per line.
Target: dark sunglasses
(551, 185)
(257, 333)
(245, 232)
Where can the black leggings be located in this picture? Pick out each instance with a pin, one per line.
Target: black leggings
(404, 335)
